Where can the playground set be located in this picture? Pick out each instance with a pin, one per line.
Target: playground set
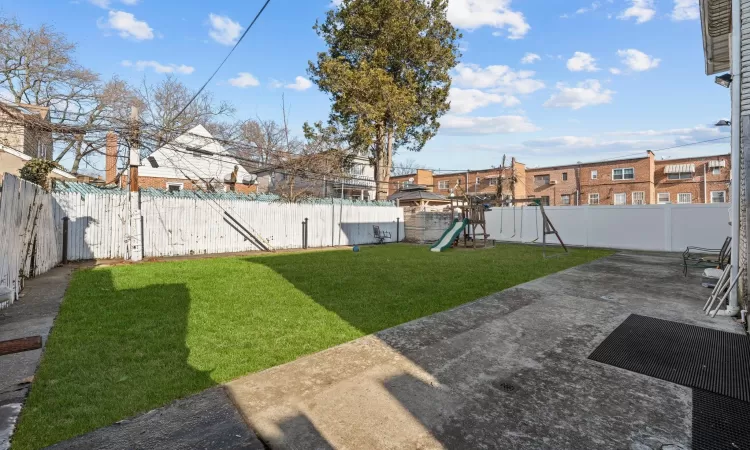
(470, 226)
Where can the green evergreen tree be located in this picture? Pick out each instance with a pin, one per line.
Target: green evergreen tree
(387, 70)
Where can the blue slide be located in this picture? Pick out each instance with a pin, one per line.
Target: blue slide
(449, 236)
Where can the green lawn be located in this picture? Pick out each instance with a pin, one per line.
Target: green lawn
(134, 337)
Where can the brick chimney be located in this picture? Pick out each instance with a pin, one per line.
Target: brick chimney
(110, 162)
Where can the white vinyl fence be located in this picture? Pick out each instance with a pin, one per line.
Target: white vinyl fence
(668, 228)
(174, 226)
(29, 238)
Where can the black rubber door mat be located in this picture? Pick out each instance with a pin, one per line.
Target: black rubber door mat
(697, 357)
(719, 422)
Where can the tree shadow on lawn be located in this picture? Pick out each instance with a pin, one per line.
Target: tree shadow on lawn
(132, 344)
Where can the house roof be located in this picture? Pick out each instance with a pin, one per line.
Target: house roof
(716, 20)
(414, 193)
(26, 157)
(193, 155)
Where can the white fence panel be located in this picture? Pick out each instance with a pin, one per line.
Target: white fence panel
(647, 227)
(28, 235)
(176, 226)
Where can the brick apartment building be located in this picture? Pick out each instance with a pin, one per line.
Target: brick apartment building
(632, 181)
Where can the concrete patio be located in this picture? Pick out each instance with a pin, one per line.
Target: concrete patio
(507, 371)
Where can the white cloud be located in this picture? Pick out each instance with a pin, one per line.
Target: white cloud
(637, 61)
(106, 3)
(618, 142)
(275, 84)
(224, 30)
(530, 58)
(582, 62)
(685, 10)
(467, 100)
(615, 71)
(300, 84)
(473, 14)
(243, 80)
(127, 26)
(159, 68)
(585, 93)
(487, 125)
(501, 79)
(640, 10)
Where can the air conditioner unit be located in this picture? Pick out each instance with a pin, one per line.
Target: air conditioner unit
(553, 182)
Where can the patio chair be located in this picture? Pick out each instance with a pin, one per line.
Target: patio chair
(706, 257)
(380, 236)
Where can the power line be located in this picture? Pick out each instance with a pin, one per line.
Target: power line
(224, 61)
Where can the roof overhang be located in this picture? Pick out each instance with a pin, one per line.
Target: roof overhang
(25, 157)
(716, 21)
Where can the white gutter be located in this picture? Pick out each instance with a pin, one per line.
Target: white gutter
(733, 307)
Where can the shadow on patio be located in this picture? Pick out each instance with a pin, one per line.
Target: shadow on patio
(507, 371)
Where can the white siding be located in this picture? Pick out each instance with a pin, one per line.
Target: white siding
(177, 161)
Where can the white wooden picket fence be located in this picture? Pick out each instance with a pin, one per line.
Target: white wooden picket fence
(29, 237)
(174, 226)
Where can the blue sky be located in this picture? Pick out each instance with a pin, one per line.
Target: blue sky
(546, 81)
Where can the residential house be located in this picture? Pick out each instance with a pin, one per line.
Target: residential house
(11, 161)
(628, 181)
(693, 180)
(26, 129)
(725, 26)
(478, 183)
(193, 161)
(25, 133)
(327, 174)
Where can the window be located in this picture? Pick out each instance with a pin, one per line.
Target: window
(565, 200)
(174, 187)
(594, 174)
(639, 198)
(716, 171)
(444, 184)
(565, 176)
(662, 198)
(406, 184)
(545, 200)
(541, 180)
(478, 180)
(621, 198)
(493, 181)
(685, 198)
(623, 174)
(718, 197)
(680, 176)
(593, 199)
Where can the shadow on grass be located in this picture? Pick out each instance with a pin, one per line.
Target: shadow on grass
(103, 332)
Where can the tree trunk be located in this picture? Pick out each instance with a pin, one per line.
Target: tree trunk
(383, 168)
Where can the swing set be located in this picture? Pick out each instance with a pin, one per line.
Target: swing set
(547, 226)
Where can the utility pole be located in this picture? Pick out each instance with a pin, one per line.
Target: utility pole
(135, 240)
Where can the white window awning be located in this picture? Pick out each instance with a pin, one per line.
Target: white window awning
(680, 168)
(717, 163)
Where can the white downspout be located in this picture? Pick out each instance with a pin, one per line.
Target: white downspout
(733, 307)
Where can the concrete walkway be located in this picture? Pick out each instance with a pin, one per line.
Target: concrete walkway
(32, 315)
(507, 371)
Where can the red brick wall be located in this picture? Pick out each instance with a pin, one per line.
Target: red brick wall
(556, 188)
(607, 187)
(694, 186)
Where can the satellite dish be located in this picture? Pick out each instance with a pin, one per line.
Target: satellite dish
(411, 180)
